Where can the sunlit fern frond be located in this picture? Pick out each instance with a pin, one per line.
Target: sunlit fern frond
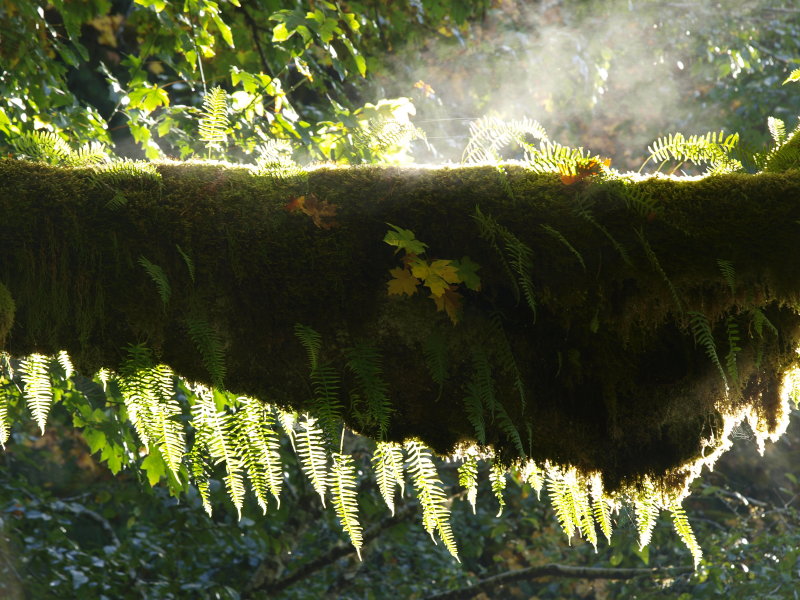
(198, 460)
(584, 518)
(701, 329)
(43, 146)
(158, 276)
(259, 444)
(387, 462)
(64, 361)
(430, 493)
(38, 391)
(170, 436)
(379, 138)
(684, 530)
(6, 397)
(561, 499)
(552, 157)
(138, 395)
(213, 124)
(120, 175)
(713, 149)
(497, 478)
(287, 421)
(534, 475)
(90, 154)
(468, 479)
(364, 361)
(601, 509)
(275, 160)
(645, 509)
(777, 130)
(343, 490)
(489, 135)
(209, 345)
(310, 445)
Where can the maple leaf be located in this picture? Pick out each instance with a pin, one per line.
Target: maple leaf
(402, 282)
(450, 302)
(404, 239)
(318, 210)
(437, 275)
(467, 271)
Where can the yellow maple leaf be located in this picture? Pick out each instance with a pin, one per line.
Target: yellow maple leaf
(402, 282)
(450, 302)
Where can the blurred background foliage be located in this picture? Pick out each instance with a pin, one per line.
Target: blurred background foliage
(608, 75)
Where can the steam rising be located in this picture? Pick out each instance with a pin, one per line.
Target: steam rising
(610, 76)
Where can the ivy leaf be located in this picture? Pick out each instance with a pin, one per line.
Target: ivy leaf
(402, 282)
(404, 239)
(450, 302)
(467, 271)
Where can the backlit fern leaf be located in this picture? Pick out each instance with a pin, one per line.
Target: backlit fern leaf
(213, 122)
(364, 361)
(488, 135)
(713, 148)
(259, 445)
(584, 518)
(198, 466)
(138, 394)
(432, 499)
(219, 435)
(387, 461)
(209, 345)
(275, 160)
(43, 146)
(552, 157)
(684, 530)
(645, 509)
(6, 398)
(777, 129)
(38, 391)
(311, 451)
(601, 509)
(468, 479)
(169, 433)
(497, 478)
(561, 500)
(343, 491)
(701, 329)
(534, 476)
(287, 421)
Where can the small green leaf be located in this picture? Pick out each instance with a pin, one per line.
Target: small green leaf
(155, 468)
(467, 272)
(280, 33)
(793, 76)
(158, 5)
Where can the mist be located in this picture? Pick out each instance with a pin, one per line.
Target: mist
(610, 76)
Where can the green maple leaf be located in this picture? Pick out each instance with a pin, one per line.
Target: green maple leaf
(404, 239)
(467, 271)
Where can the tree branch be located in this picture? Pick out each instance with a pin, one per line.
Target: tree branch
(490, 585)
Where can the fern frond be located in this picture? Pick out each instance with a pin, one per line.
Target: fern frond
(760, 321)
(656, 264)
(209, 346)
(728, 273)
(434, 349)
(38, 391)
(198, 467)
(560, 497)
(474, 411)
(364, 361)
(713, 148)
(507, 360)
(497, 478)
(701, 329)
(582, 506)
(158, 276)
(582, 208)
(90, 154)
(6, 398)
(343, 490)
(734, 338)
(468, 479)
(684, 530)
(259, 446)
(556, 234)
(275, 160)
(601, 509)
(187, 261)
(65, 363)
(213, 122)
(311, 451)
(430, 492)
(135, 384)
(534, 476)
(777, 129)
(326, 402)
(311, 341)
(488, 135)
(43, 146)
(645, 510)
(169, 434)
(387, 461)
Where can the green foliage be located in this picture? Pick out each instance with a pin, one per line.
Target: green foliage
(387, 461)
(209, 344)
(701, 329)
(713, 148)
(364, 361)
(35, 372)
(310, 445)
(342, 485)
(213, 123)
(468, 479)
(158, 276)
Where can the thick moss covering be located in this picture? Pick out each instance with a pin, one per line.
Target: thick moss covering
(606, 375)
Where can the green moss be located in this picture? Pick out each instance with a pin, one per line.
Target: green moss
(7, 310)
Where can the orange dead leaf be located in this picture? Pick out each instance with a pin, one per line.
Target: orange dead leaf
(402, 282)
(584, 169)
(318, 210)
(450, 302)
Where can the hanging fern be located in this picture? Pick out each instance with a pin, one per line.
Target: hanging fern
(656, 264)
(557, 235)
(434, 349)
(645, 509)
(138, 393)
(728, 273)
(468, 479)
(684, 530)
(387, 461)
(497, 478)
(428, 486)
(701, 329)
(213, 122)
(311, 451)
(534, 475)
(209, 345)
(562, 501)
(6, 397)
(198, 460)
(38, 391)
(364, 361)
(584, 519)
(169, 429)
(601, 508)
(473, 407)
(311, 341)
(158, 276)
(259, 444)
(343, 490)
